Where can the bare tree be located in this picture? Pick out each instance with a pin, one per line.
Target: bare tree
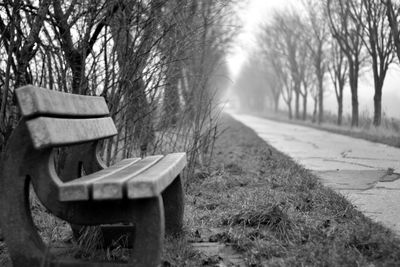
(392, 13)
(274, 85)
(348, 33)
(377, 38)
(308, 77)
(274, 49)
(288, 28)
(86, 18)
(319, 34)
(20, 37)
(337, 69)
(140, 55)
(132, 72)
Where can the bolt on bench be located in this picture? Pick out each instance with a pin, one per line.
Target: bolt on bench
(146, 192)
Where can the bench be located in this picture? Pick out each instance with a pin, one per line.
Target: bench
(146, 193)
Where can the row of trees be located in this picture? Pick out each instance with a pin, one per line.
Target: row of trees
(151, 59)
(329, 44)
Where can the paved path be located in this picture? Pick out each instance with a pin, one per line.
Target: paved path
(366, 173)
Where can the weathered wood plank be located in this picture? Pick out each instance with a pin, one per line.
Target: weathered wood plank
(48, 132)
(112, 187)
(79, 189)
(34, 101)
(152, 182)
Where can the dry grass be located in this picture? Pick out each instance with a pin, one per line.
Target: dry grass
(278, 214)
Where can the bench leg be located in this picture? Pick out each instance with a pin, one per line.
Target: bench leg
(147, 215)
(25, 246)
(173, 199)
(149, 237)
(118, 235)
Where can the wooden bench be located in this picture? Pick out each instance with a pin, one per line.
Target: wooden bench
(144, 192)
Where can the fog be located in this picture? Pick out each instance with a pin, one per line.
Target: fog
(256, 14)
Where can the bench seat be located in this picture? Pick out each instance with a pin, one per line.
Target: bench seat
(130, 178)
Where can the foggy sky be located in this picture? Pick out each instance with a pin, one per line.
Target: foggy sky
(259, 11)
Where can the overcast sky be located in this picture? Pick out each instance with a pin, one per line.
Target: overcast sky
(259, 11)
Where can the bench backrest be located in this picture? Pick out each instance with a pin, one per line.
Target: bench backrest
(58, 119)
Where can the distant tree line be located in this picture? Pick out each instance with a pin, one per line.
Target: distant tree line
(151, 59)
(326, 44)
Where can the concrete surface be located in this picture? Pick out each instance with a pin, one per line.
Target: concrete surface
(215, 253)
(366, 173)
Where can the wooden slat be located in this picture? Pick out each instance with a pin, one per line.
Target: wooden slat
(34, 101)
(79, 189)
(112, 187)
(152, 182)
(48, 132)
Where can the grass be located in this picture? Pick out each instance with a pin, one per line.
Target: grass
(271, 210)
(387, 133)
(278, 214)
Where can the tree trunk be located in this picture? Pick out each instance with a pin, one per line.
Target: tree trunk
(392, 18)
(297, 104)
(378, 106)
(290, 112)
(276, 102)
(314, 117)
(378, 84)
(304, 107)
(78, 72)
(354, 108)
(171, 105)
(340, 110)
(353, 80)
(320, 99)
